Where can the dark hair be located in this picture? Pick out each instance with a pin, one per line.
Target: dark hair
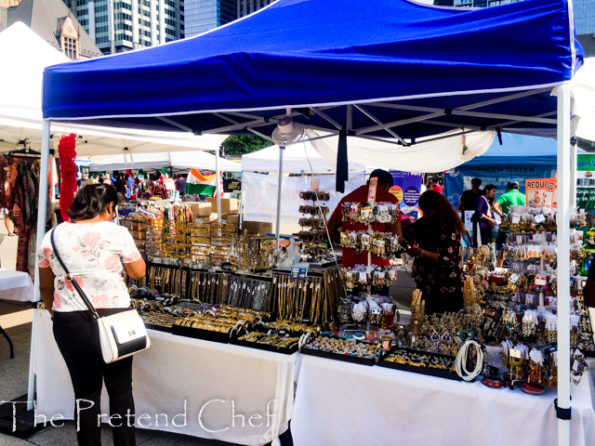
(434, 179)
(476, 181)
(513, 185)
(488, 188)
(445, 213)
(91, 201)
(384, 178)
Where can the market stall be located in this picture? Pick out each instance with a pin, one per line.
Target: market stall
(347, 81)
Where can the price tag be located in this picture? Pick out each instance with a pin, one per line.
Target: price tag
(539, 218)
(299, 272)
(516, 218)
(540, 280)
(514, 278)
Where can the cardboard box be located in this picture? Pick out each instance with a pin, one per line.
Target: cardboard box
(206, 219)
(228, 205)
(200, 209)
(232, 219)
(257, 227)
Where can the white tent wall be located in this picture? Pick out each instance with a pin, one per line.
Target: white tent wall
(302, 156)
(441, 153)
(583, 100)
(259, 190)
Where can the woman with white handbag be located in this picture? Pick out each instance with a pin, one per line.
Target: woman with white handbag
(81, 263)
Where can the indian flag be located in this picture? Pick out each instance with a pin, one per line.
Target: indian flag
(197, 183)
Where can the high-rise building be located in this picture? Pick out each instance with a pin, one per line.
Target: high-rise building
(584, 17)
(246, 7)
(123, 25)
(204, 15)
(52, 21)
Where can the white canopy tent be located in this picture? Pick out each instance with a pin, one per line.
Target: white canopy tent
(300, 157)
(20, 106)
(156, 160)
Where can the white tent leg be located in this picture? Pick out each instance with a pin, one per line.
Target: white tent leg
(217, 188)
(41, 220)
(573, 166)
(563, 273)
(279, 186)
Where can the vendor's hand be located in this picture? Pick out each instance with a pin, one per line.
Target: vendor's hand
(414, 252)
(492, 222)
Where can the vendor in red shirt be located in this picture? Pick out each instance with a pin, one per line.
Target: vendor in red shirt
(352, 257)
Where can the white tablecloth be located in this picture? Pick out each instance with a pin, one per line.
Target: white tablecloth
(15, 285)
(230, 391)
(339, 403)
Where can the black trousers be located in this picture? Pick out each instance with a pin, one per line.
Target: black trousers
(78, 340)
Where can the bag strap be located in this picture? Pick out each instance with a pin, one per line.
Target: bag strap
(75, 284)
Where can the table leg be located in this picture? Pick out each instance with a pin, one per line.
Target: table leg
(9, 342)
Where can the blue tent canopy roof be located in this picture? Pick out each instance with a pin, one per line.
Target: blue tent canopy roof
(317, 56)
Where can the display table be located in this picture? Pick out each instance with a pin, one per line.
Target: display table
(339, 403)
(16, 286)
(229, 393)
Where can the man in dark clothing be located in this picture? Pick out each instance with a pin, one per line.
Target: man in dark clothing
(181, 185)
(469, 198)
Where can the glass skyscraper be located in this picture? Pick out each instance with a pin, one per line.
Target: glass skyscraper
(584, 17)
(121, 25)
(203, 15)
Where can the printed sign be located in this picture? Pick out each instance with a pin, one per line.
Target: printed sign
(372, 190)
(299, 272)
(541, 193)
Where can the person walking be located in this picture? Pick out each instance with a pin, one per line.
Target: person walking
(96, 251)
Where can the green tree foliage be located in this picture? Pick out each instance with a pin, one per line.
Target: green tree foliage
(235, 145)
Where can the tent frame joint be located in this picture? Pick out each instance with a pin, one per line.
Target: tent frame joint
(562, 413)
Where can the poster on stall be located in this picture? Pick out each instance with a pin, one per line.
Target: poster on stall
(541, 193)
(459, 179)
(585, 182)
(407, 189)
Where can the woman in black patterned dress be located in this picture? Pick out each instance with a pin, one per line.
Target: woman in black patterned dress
(438, 266)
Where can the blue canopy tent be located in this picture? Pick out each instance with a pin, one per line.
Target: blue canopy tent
(389, 69)
(518, 158)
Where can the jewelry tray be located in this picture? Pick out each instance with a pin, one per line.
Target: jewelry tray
(339, 357)
(198, 333)
(266, 347)
(423, 370)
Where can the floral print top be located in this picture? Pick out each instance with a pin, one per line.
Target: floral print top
(94, 254)
(441, 282)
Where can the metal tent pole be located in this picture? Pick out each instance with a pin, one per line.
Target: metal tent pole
(218, 178)
(279, 186)
(573, 167)
(41, 222)
(563, 271)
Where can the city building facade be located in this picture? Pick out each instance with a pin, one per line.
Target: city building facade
(584, 17)
(204, 15)
(52, 21)
(246, 7)
(122, 25)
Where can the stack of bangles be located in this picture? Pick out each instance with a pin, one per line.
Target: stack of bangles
(343, 347)
(272, 340)
(421, 359)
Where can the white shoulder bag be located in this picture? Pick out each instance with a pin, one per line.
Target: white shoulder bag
(120, 335)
